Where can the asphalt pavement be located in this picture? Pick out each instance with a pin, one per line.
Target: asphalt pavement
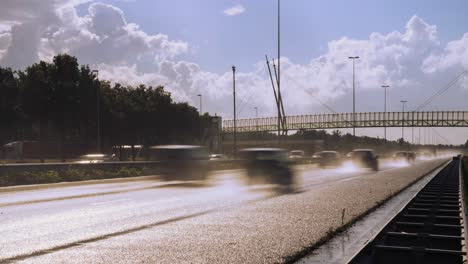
(222, 221)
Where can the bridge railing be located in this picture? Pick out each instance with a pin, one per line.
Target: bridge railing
(345, 120)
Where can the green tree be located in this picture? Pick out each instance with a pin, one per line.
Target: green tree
(38, 95)
(10, 105)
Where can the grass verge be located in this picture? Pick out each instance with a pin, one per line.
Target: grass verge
(69, 175)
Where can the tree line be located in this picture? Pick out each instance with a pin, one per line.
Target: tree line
(62, 101)
(335, 140)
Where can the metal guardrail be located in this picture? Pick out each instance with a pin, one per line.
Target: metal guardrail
(345, 120)
(428, 230)
(151, 166)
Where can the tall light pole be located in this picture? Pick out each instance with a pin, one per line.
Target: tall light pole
(385, 110)
(403, 125)
(354, 97)
(279, 50)
(234, 99)
(200, 96)
(419, 136)
(98, 113)
(279, 74)
(256, 123)
(256, 116)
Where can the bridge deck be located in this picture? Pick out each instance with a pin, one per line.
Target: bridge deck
(345, 120)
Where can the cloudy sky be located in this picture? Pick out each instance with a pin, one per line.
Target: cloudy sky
(417, 47)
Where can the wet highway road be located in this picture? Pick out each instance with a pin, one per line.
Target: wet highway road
(153, 221)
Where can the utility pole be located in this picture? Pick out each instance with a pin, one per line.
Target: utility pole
(234, 98)
(201, 111)
(403, 125)
(419, 136)
(201, 120)
(98, 113)
(256, 117)
(256, 123)
(278, 80)
(385, 110)
(274, 92)
(354, 97)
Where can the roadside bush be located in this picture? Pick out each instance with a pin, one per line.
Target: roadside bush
(35, 177)
(129, 172)
(97, 174)
(70, 175)
(76, 175)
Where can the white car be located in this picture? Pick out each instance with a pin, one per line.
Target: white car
(296, 154)
(217, 157)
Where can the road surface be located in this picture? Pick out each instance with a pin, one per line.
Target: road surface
(225, 221)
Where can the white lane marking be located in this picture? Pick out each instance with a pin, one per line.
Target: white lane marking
(352, 178)
(112, 201)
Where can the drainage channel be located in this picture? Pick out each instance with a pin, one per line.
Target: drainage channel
(428, 230)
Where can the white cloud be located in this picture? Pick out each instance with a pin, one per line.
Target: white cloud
(454, 55)
(394, 58)
(101, 36)
(125, 53)
(104, 36)
(5, 39)
(234, 11)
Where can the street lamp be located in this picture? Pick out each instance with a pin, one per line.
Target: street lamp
(403, 125)
(354, 97)
(256, 117)
(385, 110)
(201, 111)
(256, 123)
(98, 113)
(234, 99)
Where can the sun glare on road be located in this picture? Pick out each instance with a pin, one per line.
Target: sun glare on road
(397, 164)
(347, 167)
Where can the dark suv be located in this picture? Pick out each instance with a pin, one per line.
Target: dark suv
(327, 158)
(267, 165)
(407, 156)
(365, 158)
(181, 162)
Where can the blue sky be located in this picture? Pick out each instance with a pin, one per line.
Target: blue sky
(188, 46)
(307, 26)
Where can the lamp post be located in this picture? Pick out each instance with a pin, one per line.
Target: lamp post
(201, 111)
(403, 125)
(256, 123)
(234, 99)
(278, 78)
(385, 110)
(354, 97)
(98, 114)
(256, 117)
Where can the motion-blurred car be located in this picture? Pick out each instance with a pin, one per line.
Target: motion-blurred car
(95, 158)
(424, 156)
(181, 162)
(364, 158)
(296, 154)
(327, 158)
(217, 157)
(405, 156)
(267, 165)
